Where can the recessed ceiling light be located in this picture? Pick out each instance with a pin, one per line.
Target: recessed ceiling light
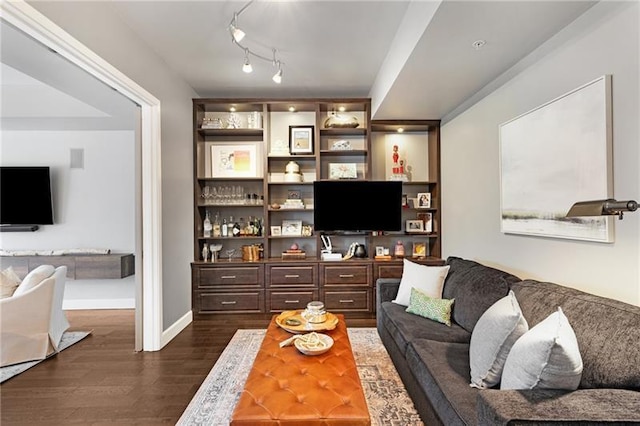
(342, 109)
(232, 109)
(400, 130)
(292, 109)
(478, 44)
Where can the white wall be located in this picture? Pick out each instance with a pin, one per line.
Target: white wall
(605, 40)
(93, 207)
(97, 26)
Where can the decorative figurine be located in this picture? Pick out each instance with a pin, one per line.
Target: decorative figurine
(395, 157)
(205, 253)
(399, 249)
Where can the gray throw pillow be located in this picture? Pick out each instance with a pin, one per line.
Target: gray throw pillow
(545, 357)
(492, 338)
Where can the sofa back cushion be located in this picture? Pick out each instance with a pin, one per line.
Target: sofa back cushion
(608, 331)
(475, 288)
(34, 278)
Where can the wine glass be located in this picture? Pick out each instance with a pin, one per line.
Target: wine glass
(205, 194)
(230, 253)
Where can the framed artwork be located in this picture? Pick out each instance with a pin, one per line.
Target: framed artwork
(301, 139)
(379, 251)
(427, 220)
(419, 249)
(424, 200)
(276, 231)
(553, 156)
(414, 226)
(405, 200)
(343, 171)
(236, 160)
(292, 228)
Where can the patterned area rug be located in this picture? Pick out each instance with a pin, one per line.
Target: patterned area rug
(388, 401)
(68, 338)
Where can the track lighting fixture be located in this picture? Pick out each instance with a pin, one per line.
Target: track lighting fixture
(247, 65)
(238, 35)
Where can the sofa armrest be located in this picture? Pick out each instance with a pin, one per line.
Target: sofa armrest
(542, 406)
(386, 289)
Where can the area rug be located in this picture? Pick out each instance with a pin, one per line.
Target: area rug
(68, 338)
(388, 401)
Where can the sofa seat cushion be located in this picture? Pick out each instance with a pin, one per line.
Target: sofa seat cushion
(442, 369)
(475, 288)
(405, 327)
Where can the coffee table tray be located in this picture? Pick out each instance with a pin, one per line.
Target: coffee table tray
(305, 326)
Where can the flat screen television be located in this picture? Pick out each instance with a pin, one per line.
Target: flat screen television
(25, 196)
(351, 206)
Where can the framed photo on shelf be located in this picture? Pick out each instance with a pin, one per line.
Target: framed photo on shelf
(419, 249)
(379, 251)
(307, 230)
(301, 139)
(405, 200)
(343, 171)
(276, 231)
(292, 228)
(424, 200)
(414, 226)
(236, 160)
(427, 220)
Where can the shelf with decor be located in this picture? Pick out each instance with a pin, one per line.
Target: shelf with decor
(256, 160)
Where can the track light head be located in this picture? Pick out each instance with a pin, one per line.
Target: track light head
(247, 65)
(277, 77)
(236, 32)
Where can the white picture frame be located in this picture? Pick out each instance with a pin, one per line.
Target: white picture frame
(424, 200)
(414, 226)
(239, 160)
(553, 156)
(292, 228)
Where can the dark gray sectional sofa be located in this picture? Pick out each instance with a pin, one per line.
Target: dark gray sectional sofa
(433, 359)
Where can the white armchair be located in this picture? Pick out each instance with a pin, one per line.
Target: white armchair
(32, 322)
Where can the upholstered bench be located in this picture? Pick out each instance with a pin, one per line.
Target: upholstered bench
(285, 386)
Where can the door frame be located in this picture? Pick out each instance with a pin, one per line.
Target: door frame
(27, 19)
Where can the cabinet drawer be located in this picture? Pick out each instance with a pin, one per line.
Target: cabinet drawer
(245, 276)
(357, 300)
(249, 301)
(290, 300)
(292, 275)
(347, 275)
(390, 271)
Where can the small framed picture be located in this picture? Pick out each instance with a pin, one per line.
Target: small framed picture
(301, 139)
(424, 200)
(427, 220)
(419, 249)
(379, 251)
(405, 200)
(276, 231)
(307, 230)
(414, 226)
(292, 228)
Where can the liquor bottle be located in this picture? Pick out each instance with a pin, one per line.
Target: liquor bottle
(235, 231)
(206, 226)
(225, 228)
(217, 231)
(251, 228)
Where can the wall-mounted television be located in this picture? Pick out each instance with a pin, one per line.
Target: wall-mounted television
(25, 196)
(344, 206)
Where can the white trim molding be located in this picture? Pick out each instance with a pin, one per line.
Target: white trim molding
(176, 328)
(27, 19)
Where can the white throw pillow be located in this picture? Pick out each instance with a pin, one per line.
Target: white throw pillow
(492, 338)
(545, 357)
(427, 279)
(9, 282)
(34, 278)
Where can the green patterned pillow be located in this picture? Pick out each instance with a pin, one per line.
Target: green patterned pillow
(429, 307)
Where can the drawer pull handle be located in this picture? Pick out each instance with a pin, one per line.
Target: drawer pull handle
(233, 302)
(228, 277)
(291, 301)
(292, 276)
(346, 301)
(346, 275)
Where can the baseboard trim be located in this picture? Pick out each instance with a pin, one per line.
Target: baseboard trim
(80, 304)
(175, 328)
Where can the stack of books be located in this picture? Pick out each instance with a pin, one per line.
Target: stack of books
(292, 254)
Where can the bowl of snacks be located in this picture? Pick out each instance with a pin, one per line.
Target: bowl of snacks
(313, 343)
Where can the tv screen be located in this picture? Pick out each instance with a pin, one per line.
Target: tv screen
(357, 205)
(25, 196)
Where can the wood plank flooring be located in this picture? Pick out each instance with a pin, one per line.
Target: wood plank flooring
(103, 381)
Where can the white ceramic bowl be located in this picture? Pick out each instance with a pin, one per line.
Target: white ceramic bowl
(312, 345)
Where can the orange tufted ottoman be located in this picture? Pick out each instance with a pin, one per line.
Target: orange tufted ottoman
(287, 387)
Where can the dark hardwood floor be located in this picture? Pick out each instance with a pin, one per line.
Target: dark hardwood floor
(103, 381)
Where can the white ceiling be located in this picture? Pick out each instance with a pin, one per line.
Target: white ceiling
(415, 59)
